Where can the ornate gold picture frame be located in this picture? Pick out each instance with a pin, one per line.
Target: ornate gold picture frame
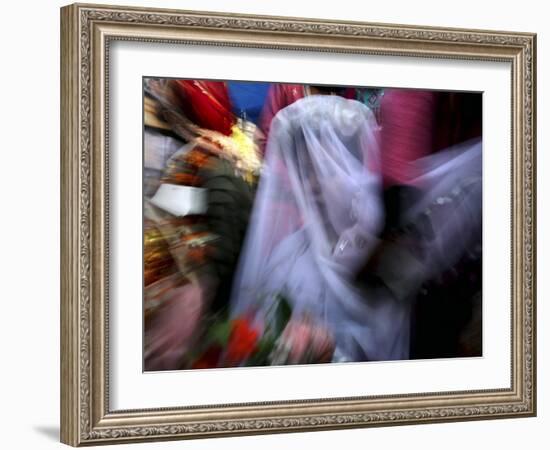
(87, 33)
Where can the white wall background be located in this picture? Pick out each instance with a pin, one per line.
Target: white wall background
(29, 223)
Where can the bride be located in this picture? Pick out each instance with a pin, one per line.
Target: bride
(316, 219)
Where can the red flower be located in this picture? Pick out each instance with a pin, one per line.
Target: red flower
(243, 341)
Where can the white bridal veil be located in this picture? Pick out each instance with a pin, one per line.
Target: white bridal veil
(315, 221)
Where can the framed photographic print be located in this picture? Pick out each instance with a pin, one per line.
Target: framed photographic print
(277, 224)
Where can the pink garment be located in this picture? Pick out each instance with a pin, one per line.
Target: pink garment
(279, 96)
(407, 129)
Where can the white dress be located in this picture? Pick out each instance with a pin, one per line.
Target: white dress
(316, 218)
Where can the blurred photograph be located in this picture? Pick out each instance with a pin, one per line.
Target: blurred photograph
(289, 224)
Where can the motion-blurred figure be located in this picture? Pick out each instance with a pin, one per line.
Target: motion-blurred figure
(196, 220)
(316, 219)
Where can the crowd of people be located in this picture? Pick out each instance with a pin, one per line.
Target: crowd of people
(296, 224)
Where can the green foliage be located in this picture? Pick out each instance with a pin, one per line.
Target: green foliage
(278, 317)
